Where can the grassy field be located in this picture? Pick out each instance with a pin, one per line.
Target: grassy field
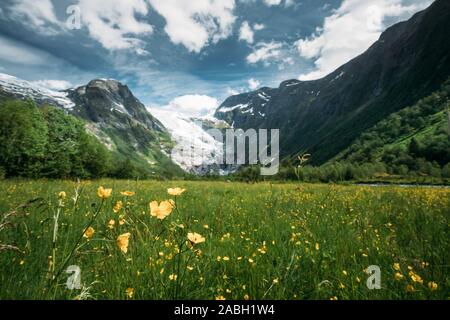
(261, 241)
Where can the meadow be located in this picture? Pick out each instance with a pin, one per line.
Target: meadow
(219, 240)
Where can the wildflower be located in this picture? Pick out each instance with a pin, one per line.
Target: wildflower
(415, 277)
(122, 220)
(345, 273)
(206, 226)
(220, 298)
(410, 288)
(111, 224)
(122, 242)
(275, 281)
(219, 258)
(173, 277)
(226, 259)
(432, 285)
(398, 276)
(89, 233)
(195, 238)
(22, 262)
(117, 206)
(161, 271)
(250, 260)
(190, 268)
(334, 298)
(246, 297)
(175, 191)
(317, 246)
(127, 193)
(129, 292)
(104, 193)
(396, 266)
(62, 195)
(341, 285)
(161, 211)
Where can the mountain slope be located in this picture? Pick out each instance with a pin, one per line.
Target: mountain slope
(409, 61)
(113, 115)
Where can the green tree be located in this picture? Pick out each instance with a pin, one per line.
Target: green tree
(23, 138)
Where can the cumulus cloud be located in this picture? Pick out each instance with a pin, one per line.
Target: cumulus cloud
(194, 105)
(265, 52)
(246, 33)
(254, 84)
(349, 31)
(112, 24)
(195, 24)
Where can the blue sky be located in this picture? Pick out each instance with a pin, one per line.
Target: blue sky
(189, 54)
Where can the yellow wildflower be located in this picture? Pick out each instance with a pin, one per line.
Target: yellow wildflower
(220, 298)
(62, 195)
(111, 224)
(246, 297)
(129, 292)
(104, 193)
(173, 277)
(432, 285)
(398, 276)
(122, 242)
(195, 238)
(127, 193)
(175, 191)
(410, 288)
(117, 206)
(161, 211)
(89, 233)
(415, 277)
(396, 266)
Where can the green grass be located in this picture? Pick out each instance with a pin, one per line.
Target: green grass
(281, 241)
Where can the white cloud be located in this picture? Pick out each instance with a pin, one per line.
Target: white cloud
(265, 52)
(272, 2)
(53, 84)
(258, 26)
(113, 23)
(254, 84)
(39, 13)
(194, 105)
(194, 24)
(349, 31)
(246, 33)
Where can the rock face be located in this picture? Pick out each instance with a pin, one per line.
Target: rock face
(111, 102)
(409, 61)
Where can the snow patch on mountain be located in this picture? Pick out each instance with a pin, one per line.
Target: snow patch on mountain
(25, 88)
(196, 151)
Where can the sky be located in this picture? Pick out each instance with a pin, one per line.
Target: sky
(189, 55)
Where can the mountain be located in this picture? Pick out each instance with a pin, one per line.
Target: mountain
(112, 114)
(323, 117)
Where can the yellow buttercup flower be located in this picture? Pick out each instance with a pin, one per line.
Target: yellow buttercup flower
(410, 288)
(432, 285)
(129, 292)
(111, 224)
(62, 195)
(161, 211)
(415, 277)
(127, 193)
(398, 276)
(195, 238)
(220, 298)
(397, 266)
(246, 297)
(123, 241)
(117, 206)
(89, 233)
(104, 193)
(173, 277)
(175, 191)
